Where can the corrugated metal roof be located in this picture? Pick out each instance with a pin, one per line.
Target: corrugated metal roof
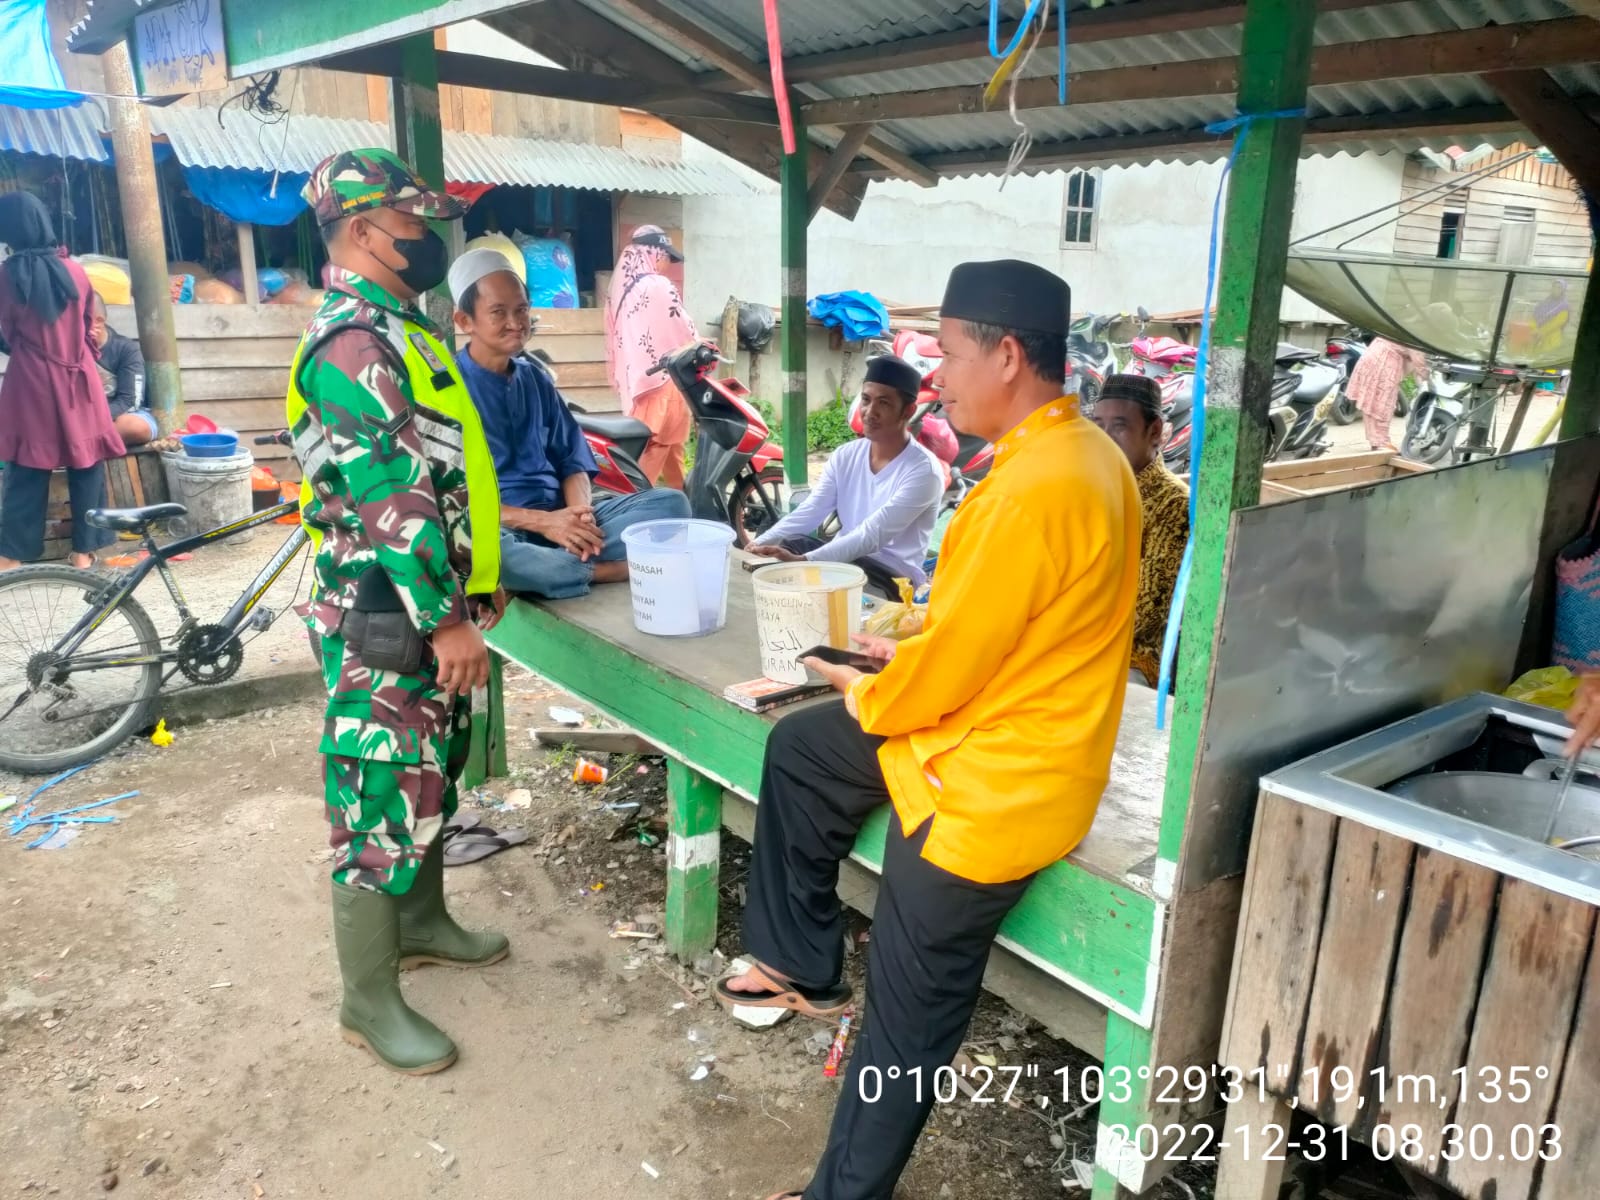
(54, 132)
(300, 143)
(819, 26)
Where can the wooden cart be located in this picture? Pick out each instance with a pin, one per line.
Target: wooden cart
(1298, 478)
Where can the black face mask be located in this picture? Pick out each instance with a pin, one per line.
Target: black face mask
(427, 260)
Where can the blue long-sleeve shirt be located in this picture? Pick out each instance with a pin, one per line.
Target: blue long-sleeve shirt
(535, 442)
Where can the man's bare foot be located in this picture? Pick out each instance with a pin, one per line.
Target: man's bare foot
(83, 562)
(9, 564)
(611, 572)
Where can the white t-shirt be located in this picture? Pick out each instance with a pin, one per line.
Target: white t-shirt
(888, 517)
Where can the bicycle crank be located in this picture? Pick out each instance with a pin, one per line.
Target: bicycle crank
(209, 654)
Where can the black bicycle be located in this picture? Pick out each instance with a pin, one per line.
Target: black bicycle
(81, 663)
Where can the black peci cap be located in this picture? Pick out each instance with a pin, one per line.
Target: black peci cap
(896, 372)
(1011, 294)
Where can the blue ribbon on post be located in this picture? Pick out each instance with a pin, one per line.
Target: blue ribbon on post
(1238, 126)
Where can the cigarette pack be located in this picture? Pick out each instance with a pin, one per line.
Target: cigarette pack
(759, 695)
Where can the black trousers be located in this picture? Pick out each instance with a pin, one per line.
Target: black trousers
(25, 498)
(880, 578)
(931, 936)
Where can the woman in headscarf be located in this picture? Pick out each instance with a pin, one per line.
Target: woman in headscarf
(1374, 386)
(53, 410)
(645, 319)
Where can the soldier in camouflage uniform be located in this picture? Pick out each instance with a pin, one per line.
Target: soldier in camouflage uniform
(397, 478)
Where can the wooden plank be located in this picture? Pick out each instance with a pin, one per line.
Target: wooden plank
(1284, 471)
(1532, 44)
(833, 168)
(569, 320)
(1577, 1112)
(694, 850)
(1280, 925)
(1435, 989)
(234, 383)
(1252, 1165)
(582, 375)
(1523, 1020)
(237, 352)
(570, 347)
(1366, 895)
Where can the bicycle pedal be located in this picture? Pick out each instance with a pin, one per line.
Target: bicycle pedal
(260, 620)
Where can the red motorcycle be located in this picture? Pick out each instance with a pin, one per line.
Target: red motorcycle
(740, 488)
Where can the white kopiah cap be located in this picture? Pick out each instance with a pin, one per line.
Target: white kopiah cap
(473, 266)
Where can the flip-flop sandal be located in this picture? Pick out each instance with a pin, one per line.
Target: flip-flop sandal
(459, 823)
(825, 1005)
(475, 845)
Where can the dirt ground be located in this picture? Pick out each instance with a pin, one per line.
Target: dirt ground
(168, 997)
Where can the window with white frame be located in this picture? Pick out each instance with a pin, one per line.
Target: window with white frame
(1080, 222)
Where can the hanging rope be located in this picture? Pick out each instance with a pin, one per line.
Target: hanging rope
(1238, 126)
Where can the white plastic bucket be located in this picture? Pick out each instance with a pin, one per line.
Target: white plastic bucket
(216, 491)
(801, 605)
(678, 574)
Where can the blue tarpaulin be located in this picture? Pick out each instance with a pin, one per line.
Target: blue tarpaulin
(243, 195)
(30, 77)
(857, 315)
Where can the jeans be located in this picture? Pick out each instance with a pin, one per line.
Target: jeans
(26, 499)
(530, 563)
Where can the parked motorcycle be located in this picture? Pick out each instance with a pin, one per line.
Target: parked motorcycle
(1303, 393)
(1458, 397)
(1090, 356)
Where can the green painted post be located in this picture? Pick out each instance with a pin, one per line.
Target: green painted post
(694, 849)
(1274, 67)
(796, 217)
(1580, 413)
(419, 137)
(1117, 1161)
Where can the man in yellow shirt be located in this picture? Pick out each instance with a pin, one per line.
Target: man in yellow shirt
(991, 732)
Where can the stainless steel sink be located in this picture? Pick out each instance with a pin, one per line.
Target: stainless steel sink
(1481, 825)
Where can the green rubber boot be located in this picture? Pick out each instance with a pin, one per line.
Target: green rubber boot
(428, 933)
(366, 933)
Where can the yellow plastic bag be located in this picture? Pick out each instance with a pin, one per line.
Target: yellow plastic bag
(898, 621)
(1553, 687)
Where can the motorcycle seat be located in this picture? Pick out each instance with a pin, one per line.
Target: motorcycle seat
(1316, 381)
(629, 434)
(1288, 353)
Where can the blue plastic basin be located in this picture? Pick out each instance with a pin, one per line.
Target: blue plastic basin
(210, 445)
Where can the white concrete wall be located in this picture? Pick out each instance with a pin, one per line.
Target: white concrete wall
(1150, 249)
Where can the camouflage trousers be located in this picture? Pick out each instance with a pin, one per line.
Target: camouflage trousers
(393, 749)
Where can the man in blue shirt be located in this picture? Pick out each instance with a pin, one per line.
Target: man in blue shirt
(556, 539)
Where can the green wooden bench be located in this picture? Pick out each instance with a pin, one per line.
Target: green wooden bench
(1085, 941)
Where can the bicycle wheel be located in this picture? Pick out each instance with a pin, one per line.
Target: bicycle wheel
(51, 716)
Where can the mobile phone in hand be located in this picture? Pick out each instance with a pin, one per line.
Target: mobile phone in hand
(843, 658)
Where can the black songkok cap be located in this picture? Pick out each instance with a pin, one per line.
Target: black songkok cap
(896, 372)
(1011, 294)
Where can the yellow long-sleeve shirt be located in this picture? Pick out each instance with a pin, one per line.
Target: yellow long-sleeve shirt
(1002, 714)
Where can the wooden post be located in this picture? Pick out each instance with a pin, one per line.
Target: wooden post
(796, 216)
(418, 135)
(140, 201)
(1273, 69)
(1580, 411)
(249, 279)
(694, 849)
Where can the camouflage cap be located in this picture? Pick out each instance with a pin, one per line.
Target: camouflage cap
(357, 180)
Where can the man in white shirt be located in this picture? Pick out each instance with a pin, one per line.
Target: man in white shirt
(885, 488)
